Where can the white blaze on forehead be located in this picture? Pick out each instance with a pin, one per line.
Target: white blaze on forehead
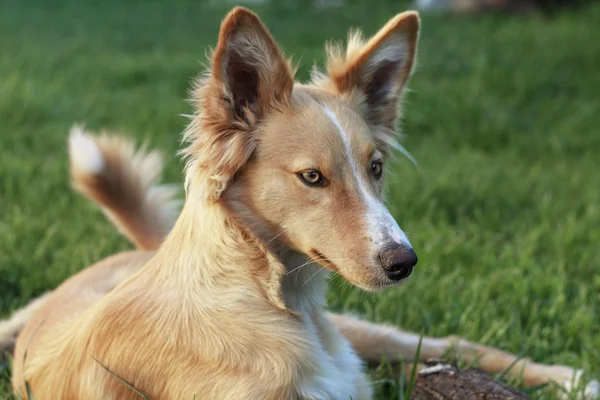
(382, 224)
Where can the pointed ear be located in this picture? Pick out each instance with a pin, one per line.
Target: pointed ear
(248, 78)
(378, 69)
(247, 62)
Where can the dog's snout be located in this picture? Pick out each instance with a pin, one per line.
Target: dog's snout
(398, 261)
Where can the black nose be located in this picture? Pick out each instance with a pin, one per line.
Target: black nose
(398, 261)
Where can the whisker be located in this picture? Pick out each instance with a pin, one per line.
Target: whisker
(305, 264)
(313, 275)
(397, 146)
(283, 244)
(315, 260)
(322, 268)
(297, 275)
(275, 237)
(361, 296)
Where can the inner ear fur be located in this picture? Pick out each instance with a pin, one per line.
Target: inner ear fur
(376, 71)
(248, 78)
(250, 67)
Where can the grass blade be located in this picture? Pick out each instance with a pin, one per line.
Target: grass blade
(29, 392)
(413, 372)
(503, 374)
(123, 381)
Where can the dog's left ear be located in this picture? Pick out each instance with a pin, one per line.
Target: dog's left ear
(375, 73)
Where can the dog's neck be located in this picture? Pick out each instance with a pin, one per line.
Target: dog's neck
(208, 247)
(304, 283)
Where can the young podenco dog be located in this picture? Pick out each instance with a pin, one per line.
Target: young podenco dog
(283, 183)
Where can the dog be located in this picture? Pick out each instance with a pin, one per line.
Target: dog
(227, 299)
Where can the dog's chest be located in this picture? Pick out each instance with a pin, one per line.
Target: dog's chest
(338, 372)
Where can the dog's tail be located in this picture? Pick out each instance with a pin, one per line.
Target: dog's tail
(123, 182)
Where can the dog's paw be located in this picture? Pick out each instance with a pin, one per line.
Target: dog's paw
(575, 389)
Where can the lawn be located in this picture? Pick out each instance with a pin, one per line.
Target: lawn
(503, 118)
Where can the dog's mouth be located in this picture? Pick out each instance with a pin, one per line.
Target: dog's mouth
(320, 258)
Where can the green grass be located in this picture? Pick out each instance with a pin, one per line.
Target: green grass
(504, 120)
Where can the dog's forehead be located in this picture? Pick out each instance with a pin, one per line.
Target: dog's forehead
(325, 127)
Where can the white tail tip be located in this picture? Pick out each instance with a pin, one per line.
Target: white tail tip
(84, 152)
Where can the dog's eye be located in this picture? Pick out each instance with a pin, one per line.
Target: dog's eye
(377, 168)
(312, 177)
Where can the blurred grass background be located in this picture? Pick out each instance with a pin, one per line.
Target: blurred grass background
(503, 118)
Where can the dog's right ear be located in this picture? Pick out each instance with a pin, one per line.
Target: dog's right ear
(249, 65)
(248, 77)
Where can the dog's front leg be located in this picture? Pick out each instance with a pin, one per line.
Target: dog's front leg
(373, 342)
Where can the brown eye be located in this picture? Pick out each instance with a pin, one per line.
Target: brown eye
(377, 169)
(312, 177)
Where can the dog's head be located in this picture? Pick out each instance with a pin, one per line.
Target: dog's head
(304, 165)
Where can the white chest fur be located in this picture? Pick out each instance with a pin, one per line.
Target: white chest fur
(339, 371)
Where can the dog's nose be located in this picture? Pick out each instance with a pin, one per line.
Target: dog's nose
(398, 261)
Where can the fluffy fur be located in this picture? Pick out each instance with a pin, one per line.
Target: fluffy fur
(109, 171)
(230, 303)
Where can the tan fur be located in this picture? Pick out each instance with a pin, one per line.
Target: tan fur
(231, 305)
(11, 327)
